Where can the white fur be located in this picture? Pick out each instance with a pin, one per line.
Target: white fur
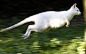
(47, 20)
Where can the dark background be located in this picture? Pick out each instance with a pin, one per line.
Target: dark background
(26, 8)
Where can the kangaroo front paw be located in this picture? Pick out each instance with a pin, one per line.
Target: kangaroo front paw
(67, 25)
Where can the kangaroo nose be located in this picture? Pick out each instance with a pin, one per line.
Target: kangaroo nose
(80, 13)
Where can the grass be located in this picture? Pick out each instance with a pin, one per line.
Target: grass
(56, 41)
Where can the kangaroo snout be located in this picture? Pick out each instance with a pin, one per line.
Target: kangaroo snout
(80, 13)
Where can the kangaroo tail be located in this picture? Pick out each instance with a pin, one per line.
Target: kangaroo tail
(16, 25)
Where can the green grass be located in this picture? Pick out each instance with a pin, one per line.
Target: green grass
(64, 40)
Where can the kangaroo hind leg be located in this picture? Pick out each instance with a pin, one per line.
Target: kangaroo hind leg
(27, 34)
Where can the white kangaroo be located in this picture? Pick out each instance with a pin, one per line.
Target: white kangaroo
(47, 20)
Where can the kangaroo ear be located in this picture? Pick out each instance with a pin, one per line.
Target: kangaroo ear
(74, 5)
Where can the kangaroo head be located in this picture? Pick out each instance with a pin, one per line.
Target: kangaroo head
(76, 11)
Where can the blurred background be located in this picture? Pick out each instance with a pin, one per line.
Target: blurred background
(23, 9)
(31, 7)
(56, 41)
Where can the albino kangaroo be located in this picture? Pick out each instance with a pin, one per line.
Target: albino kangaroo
(47, 20)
